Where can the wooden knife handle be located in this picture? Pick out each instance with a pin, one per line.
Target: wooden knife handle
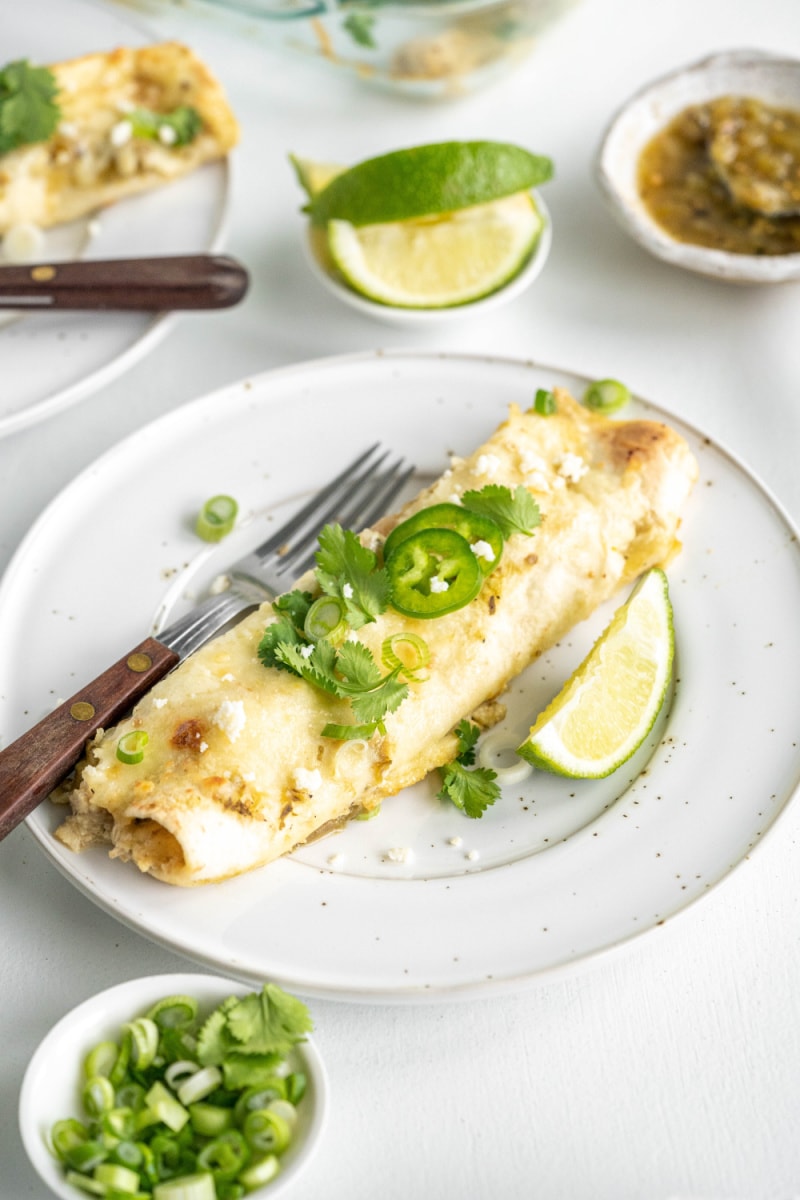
(32, 765)
(156, 284)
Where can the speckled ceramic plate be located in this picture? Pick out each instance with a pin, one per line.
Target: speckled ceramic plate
(53, 360)
(558, 872)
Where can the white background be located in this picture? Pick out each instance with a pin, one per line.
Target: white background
(672, 1070)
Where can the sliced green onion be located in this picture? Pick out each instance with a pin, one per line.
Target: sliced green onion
(326, 619)
(199, 1186)
(119, 1122)
(296, 1085)
(86, 1156)
(216, 518)
(199, 1085)
(85, 1183)
(101, 1059)
(166, 1108)
(66, 1134)
(144, 1042)
(128, 1154)
(544, 402)
(131, 1095)
(258, 1097)
(210, 1120)
(225, 1156)
(97, 1095)
(119, 1072)
(230, 1191)
(284, 1109)
(122, 1179)
(367, 814)
(256, 1175)
(178, 1071)
(266, 1131)
(606, 395)
(130, 747)
(173, 1012)
(414, 658)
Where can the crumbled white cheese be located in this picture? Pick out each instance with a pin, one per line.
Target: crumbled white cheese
(306, 651)
(121, 133)
(228, 677)
(93, 227)
(220, 584)
(307, 781)
(336, 861)
(439, 585)
(572, 467)
(399, 854)
(472, 855)
(125, 106)
(347, 591)
(530, 462)
(455, 497)
(454, 841)
(482, 549)
(160, 701)
(68, 129)
(248, 776)
(538, 481)
(167, 135)
(23, 243)
(203, 747)
(231, 718)
(486, 464)
(352, 636)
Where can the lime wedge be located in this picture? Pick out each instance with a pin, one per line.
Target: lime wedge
(609, 705)
(313, 176)
(426, 181)
(438, 263)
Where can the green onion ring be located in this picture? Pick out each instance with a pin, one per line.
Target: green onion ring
(130, 747)
(420, 656)
(216, 518)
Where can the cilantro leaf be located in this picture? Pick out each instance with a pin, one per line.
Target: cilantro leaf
(467, 735)
(259, 1024)
(360, 27)
(28, 108)
(316, 668)
(176, 128)
(294, 605)
(514, 512)
(268, 1022)
(357, 667)
(373, 705)
(350, 571)
(471, 790)
(278, 634)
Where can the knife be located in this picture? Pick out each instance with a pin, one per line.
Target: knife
(194, 281)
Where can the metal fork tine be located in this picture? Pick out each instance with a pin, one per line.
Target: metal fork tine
(365, 510)
(310, 511)
(299, 545)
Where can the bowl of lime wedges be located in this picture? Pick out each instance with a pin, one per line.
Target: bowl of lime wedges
(428, 234)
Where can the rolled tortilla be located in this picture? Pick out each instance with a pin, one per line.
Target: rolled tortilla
(237, 772)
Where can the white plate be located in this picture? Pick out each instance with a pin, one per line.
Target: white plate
(52, 360)
(564, 870)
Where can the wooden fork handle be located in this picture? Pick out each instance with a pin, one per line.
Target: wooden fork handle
(32, 765)
(191, 281)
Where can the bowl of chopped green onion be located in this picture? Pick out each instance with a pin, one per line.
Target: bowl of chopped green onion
(175, 1087)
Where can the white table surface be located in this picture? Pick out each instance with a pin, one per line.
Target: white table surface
(672, 1069)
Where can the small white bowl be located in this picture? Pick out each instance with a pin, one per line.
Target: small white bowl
(51, 1087)
(431, 316)
(736, 72)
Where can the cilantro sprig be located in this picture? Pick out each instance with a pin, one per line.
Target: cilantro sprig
(250, 1033)
(28, 109)
(514, 512)
(350, 571)
(472, 789)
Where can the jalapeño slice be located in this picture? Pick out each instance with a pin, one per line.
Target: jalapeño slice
(433, 572)
(482, 533)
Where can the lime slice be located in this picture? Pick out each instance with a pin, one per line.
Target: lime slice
(428, 180)
(313, 176)
(438, 263)
(609, 705)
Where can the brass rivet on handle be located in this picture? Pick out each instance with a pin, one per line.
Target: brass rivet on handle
(82, 710)
(43, 274)
(140, 662)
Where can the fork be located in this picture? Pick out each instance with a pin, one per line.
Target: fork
(38, 760)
